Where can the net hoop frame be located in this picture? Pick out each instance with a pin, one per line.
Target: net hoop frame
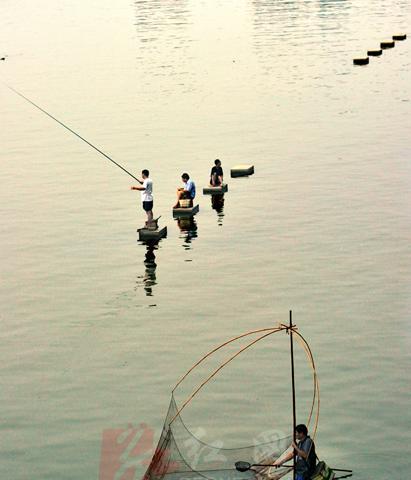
(265, 332)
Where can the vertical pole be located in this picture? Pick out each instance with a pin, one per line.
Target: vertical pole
(293, 384)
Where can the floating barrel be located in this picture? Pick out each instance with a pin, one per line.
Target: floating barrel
(387, 44)
(361, 61)
(242, 170)
(399, 36)
(374, 53)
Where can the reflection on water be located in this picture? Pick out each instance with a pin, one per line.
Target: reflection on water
(149, 279)
(188, 229)
(280, 33)
(331, 5)
(161, 29)
(217, 204)
(155, 19)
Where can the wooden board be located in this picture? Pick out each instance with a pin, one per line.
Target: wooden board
(242, 170)
(186, 211)
(147, 234)
(215, 190)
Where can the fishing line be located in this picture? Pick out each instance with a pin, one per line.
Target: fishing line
(72, 131)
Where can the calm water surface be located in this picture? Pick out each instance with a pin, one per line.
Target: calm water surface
(96, 328)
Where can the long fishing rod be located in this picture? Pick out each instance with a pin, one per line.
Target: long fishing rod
(72, 131)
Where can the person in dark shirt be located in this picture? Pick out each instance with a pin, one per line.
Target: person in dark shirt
(216, 175)
(304, 451)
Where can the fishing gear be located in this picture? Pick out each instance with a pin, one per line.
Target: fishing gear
(244, 466)
(72, 131)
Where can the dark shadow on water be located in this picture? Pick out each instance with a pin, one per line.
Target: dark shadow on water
(217, 204)
(188, 229)
(149, 279)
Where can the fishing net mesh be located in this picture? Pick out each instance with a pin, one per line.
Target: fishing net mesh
(181, 455)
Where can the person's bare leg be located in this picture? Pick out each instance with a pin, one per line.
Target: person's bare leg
(179, 193)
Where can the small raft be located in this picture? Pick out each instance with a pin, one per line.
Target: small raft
(242, 170)
(185, 211)
(151, 234)
(215, 190)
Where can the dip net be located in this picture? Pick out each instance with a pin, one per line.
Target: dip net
(181, 455)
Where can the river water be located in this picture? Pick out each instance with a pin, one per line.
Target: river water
(96, 327)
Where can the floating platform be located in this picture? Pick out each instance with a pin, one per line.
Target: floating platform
(215, 190)
(361, 61)
(387, 44)
(399, 36)
(185, 211)
(151, 234)
(242, 170)
(374, 53)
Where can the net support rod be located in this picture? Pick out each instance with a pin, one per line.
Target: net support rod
(292, 385)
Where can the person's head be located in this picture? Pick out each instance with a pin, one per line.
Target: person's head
(145, 173)
(301, 431)
(185, 177)
(217, 162)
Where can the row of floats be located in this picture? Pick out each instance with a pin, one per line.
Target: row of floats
(385, 45)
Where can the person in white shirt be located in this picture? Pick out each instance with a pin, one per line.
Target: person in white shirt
(146, 190)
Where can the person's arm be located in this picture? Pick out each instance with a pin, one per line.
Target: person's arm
(138, 188)
(220, 178)
(300, 452)
(283, 459)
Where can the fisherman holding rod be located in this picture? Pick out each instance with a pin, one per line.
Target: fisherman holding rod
(146, 190)
(147, 184)
(304, 452)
